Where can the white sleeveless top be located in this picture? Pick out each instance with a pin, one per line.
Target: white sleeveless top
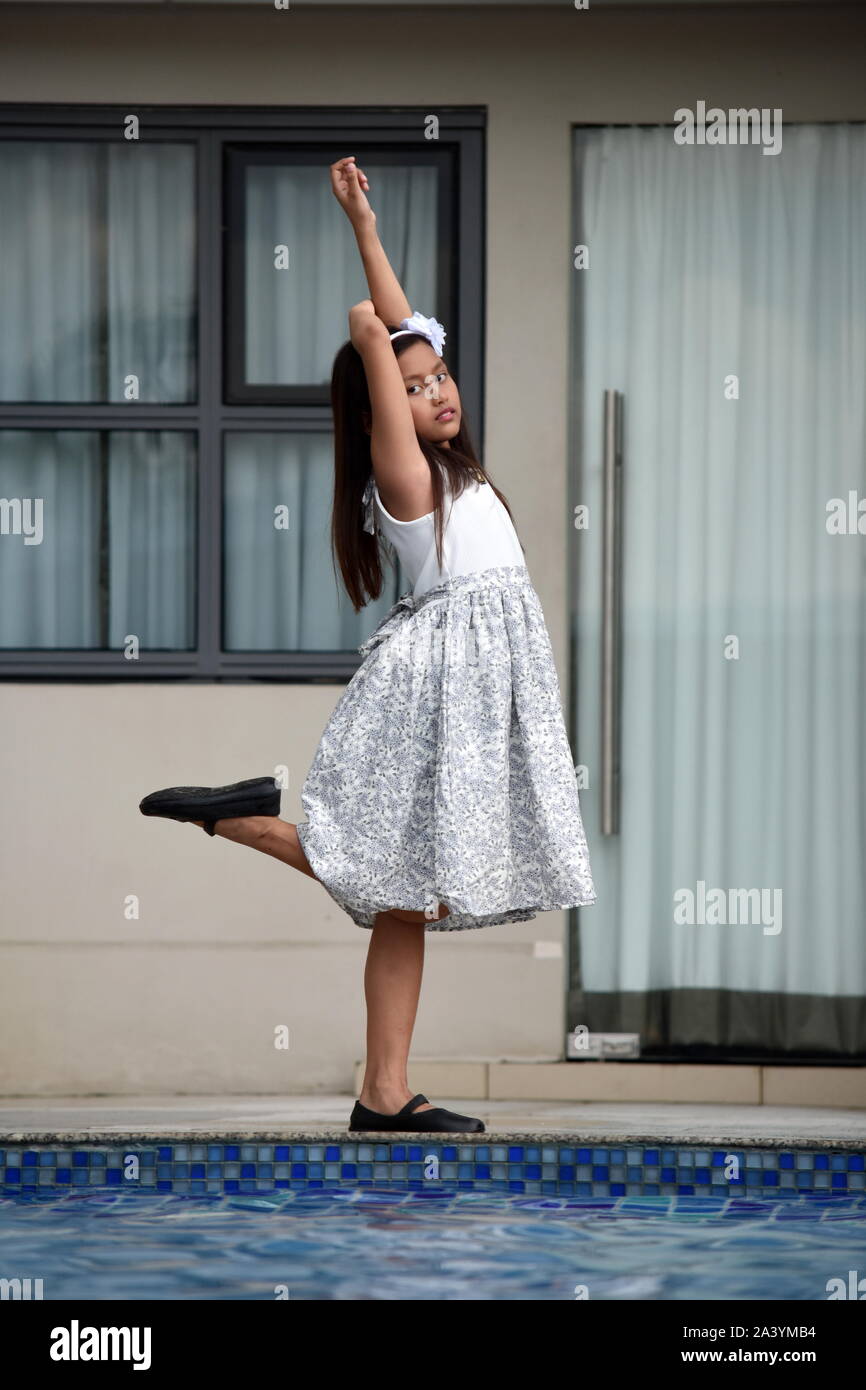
(478, 534)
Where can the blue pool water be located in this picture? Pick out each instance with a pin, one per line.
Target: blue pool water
(367, 1243)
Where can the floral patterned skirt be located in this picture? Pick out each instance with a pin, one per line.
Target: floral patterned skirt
(444, 775)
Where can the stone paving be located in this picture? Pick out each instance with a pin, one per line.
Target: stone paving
(92, 1119)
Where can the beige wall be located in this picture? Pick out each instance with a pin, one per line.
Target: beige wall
(229, 944)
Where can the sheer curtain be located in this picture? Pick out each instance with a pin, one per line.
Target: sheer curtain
(297, 318)
(151, 538)
(150, 227)
(744, 774)
(97, 290)
(117, 554)
(97, 267)
(281, 593)
(295, 321)
(49, 593)
(49, 273)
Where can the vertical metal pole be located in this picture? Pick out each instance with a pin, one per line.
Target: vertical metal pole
(611, 635)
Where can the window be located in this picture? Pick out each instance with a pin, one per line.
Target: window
(170, 307)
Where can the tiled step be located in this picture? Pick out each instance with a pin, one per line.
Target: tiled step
(641, 1082)
(433, 1166)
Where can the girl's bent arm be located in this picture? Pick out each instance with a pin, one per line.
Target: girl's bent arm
(400, 469)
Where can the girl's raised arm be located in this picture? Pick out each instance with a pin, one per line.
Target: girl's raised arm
(350, 185)
(400, 469)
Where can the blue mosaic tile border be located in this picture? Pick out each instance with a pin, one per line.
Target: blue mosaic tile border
(555, 1169)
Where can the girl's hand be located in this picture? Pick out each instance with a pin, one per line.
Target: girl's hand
(364, 323)
(350, 185)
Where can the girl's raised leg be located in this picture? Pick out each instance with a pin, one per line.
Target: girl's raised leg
(270, 834)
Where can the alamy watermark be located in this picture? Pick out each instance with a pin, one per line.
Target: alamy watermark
(20, 1290)
(77, 1343)
(436, 647)
(732, 907)
(737, 126)
(22, 516)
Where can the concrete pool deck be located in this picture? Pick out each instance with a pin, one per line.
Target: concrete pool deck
(101, 1119)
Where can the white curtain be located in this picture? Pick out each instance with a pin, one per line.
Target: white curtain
(49, 592)
(97, 271)
(280, 590)
(97, 286)
(151, 538)
(49, 271)
(296, 318)
(97, 276)
(117, 513)
(748, 773)
(151, 259)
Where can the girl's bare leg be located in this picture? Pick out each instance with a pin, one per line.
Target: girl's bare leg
(392, 977)
(392, 986)
(269, 834)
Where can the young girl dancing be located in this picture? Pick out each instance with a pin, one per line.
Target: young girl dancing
(443, 795)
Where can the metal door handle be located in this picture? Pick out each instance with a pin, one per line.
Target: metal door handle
(611, 611)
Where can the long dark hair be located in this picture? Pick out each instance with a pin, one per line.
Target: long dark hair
(356, 551)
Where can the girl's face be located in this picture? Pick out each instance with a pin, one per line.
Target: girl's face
(433, 396)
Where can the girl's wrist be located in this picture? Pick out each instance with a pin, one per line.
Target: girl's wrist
(365, 230)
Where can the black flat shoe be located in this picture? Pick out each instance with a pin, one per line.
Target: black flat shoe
(259, 796)
(425, 1122)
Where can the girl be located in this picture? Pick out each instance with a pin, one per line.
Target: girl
(442, 796)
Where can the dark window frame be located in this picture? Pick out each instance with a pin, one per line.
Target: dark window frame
(324, 133)
(238, 158)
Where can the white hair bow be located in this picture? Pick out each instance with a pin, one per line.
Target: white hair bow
(428, 328)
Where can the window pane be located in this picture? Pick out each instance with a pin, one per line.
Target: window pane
(97, 271)
(97, 539)
(281, 593)
(296, 318)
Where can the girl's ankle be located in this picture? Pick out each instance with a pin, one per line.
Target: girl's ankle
(246, 830)
(386, 1100)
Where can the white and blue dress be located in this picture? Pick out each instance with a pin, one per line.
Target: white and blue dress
(444, 775)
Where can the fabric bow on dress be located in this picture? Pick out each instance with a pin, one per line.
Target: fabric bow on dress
(393, 619)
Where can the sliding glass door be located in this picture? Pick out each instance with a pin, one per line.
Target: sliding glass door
(719, 590)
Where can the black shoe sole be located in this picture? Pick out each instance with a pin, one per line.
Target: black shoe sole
(447, 1127)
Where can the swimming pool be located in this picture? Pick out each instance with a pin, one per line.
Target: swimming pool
(350, 1243)
(550, 1165)
(321, 1217)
